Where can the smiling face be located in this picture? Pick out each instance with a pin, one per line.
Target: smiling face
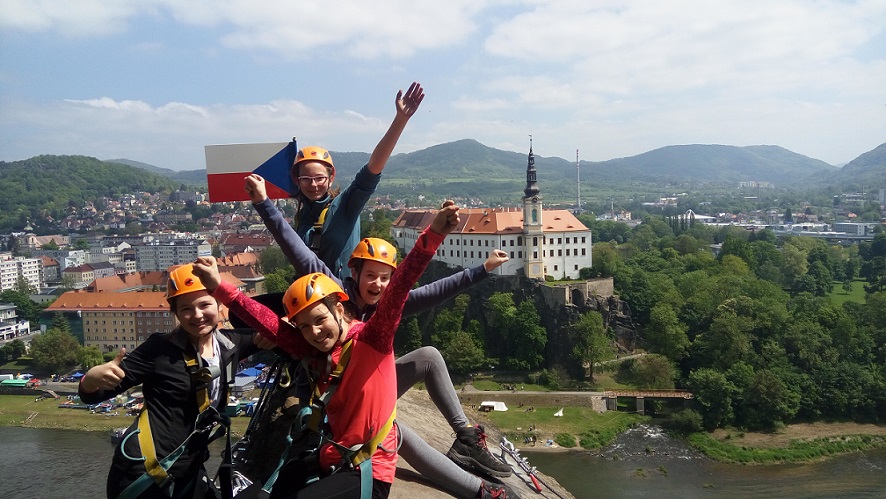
(319, 326)
(372, 281)
(313, 179)
(197, 312)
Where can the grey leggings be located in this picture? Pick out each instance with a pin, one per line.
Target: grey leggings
(426, 364)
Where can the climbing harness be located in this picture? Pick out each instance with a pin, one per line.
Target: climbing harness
(311, 423)
(209, 425)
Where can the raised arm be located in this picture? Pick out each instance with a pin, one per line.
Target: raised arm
(406, 106)
(257, 316)
(381, 327)
(303, 260)
(437, 292)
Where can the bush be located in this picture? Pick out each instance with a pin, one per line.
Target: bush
(566, 440)
(685, 421)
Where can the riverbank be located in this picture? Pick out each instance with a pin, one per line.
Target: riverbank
(797, 443)
(579, 429)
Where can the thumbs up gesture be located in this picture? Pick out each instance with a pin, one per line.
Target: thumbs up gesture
(106, 376)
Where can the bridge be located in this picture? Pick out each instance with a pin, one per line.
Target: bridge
(610, 397)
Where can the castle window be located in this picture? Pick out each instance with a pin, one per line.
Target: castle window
(582, 252)
(519, 254)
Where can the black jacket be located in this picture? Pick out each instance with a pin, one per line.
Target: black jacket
(158, 365)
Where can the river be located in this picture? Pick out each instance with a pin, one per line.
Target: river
(645, 462)
(62, 464)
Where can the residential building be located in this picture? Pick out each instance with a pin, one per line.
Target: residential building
(30, 270)
(10, 325)
(162, 255)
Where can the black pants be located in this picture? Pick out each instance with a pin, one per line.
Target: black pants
(341, 485)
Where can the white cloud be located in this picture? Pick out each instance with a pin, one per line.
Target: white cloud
(75, 18)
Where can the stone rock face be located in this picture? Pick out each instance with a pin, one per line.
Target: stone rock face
(416, 409)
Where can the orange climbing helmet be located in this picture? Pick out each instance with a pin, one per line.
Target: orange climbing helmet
(313, 153)
(181, 281)
(375, 249)
(310, 289)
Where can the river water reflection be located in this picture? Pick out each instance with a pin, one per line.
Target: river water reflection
(60, 464)
(644, 462)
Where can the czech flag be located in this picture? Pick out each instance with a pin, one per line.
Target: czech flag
(227, 165)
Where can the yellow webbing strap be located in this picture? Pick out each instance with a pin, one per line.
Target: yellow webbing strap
(335, 375)
(146, 442)
(318, 224)
(370, 447)
(203, 400)
(146, 439)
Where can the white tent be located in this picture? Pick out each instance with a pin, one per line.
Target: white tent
(493, 406)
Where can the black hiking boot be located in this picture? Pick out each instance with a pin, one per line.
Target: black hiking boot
(470, 452)
(496, 491)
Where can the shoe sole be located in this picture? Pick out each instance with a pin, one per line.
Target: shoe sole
(469, 462)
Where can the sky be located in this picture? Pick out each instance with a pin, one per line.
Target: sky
(156, 80)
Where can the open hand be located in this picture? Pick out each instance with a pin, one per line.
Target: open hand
(408, 104)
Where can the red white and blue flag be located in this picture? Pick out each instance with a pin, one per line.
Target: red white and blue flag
(227, 165)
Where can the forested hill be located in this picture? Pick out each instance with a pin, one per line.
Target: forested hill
(45, 185)
(718, 164)
(469, 168)
(187, 177)
(869, 169)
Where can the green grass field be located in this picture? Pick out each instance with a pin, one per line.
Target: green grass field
(840, 296)
(590, 428)
(23, 410)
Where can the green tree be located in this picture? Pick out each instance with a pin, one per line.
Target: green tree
(89, 357)
(60, 322)
(591, 343)
(713, 393)
(463, 354)
(278, 281)
(769, 401)
(81, 244)
(408, 337)
(55, 350)
(26, 308)
(665, 334)
(272, 259)
(653, 371)
(605, 260)
(17, 348)
(527, 338)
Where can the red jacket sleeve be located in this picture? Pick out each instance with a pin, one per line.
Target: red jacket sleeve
(263, 320)
(382, 326)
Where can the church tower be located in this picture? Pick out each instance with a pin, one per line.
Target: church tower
(533, 230)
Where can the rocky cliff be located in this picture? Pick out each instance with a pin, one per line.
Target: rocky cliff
(558, 304)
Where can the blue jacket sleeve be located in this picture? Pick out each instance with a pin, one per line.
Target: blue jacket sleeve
(343, 218)
(435, 293)
(303, 260)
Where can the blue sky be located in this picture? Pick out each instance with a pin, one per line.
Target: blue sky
(156, 80)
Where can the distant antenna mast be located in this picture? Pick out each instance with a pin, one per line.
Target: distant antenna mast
(577, 185)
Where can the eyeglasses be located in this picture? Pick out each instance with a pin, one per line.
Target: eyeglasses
(308, 180)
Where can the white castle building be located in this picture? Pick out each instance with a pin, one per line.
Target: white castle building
(539, 242)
